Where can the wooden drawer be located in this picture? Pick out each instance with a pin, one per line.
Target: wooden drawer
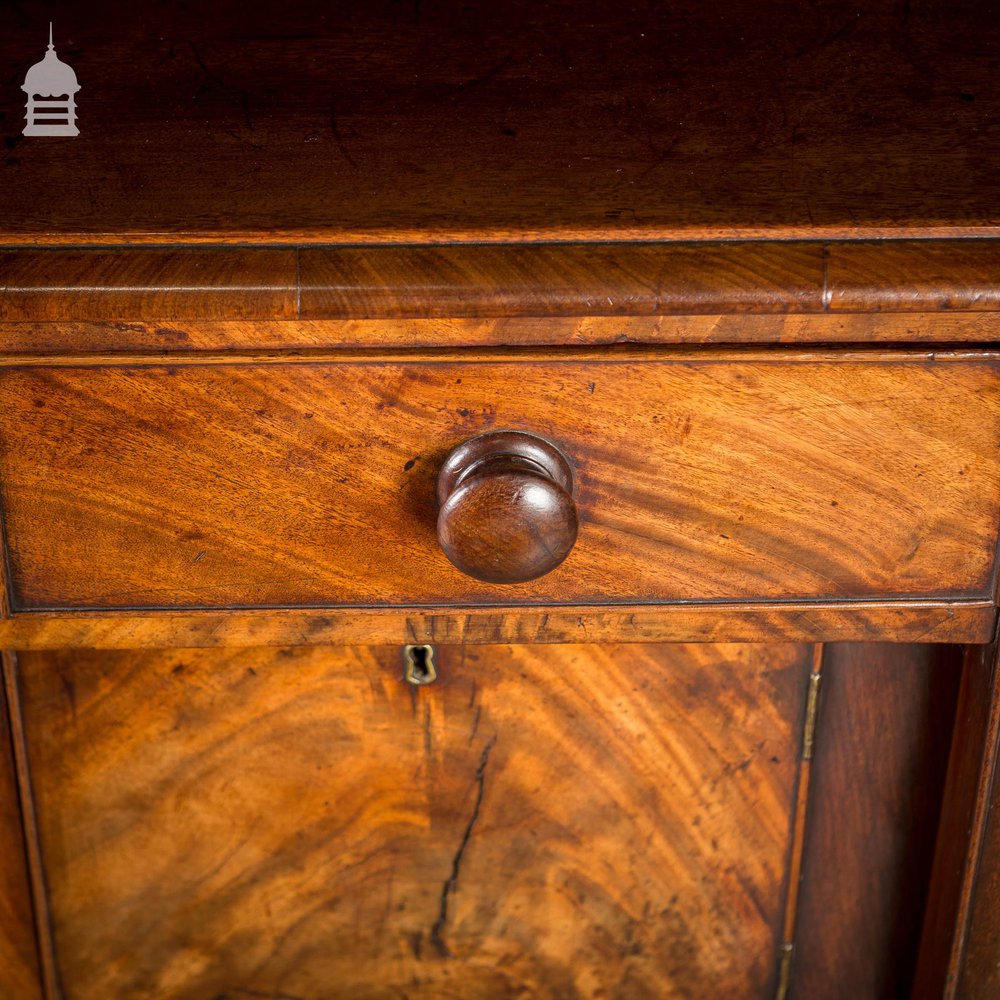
(700, 477)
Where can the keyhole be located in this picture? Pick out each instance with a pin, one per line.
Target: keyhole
(418, 664)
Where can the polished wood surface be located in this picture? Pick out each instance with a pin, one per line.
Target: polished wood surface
(460, 282)
(784, 621)
(883, 733)
(635, 279)
(20, 975)
(914, 276)
(351, 121)
(297, 256)
(599, 279)
(506, 513)
(307, 824)
(700, 478)
(159, 284)
(182, 338)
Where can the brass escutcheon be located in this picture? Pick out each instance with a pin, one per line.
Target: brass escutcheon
(418, 665)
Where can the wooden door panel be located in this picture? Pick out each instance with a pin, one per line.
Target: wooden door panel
(566, 821)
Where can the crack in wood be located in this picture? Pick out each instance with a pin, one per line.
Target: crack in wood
(451, 883)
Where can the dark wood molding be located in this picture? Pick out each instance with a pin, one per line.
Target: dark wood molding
(146, 287)
(914, 276)
(597, 279)
(154, 283)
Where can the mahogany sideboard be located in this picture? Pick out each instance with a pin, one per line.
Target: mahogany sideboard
(501, 500)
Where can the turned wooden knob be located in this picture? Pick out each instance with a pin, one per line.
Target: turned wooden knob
(507, 512)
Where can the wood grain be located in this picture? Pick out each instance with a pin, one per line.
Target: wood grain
(914, 276)
(576, 822)
(158, 284)
(20, 977)
(512, 281)
(882, 738)
(868, 621)
(351, 121)
(602, 279)
(313, 483)
(182, 338)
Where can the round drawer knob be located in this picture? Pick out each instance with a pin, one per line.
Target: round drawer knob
(507, 512)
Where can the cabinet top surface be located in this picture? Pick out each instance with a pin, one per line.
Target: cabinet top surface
(450, 120)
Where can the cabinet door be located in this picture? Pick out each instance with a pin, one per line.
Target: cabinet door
(561, 821)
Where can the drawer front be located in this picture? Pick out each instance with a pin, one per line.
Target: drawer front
(698, 478)
(554, 822)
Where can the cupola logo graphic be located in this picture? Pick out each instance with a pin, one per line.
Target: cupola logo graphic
(51, 88)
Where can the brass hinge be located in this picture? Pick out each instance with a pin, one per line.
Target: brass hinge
(812, 708)
(787, 949)
(784, 971)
